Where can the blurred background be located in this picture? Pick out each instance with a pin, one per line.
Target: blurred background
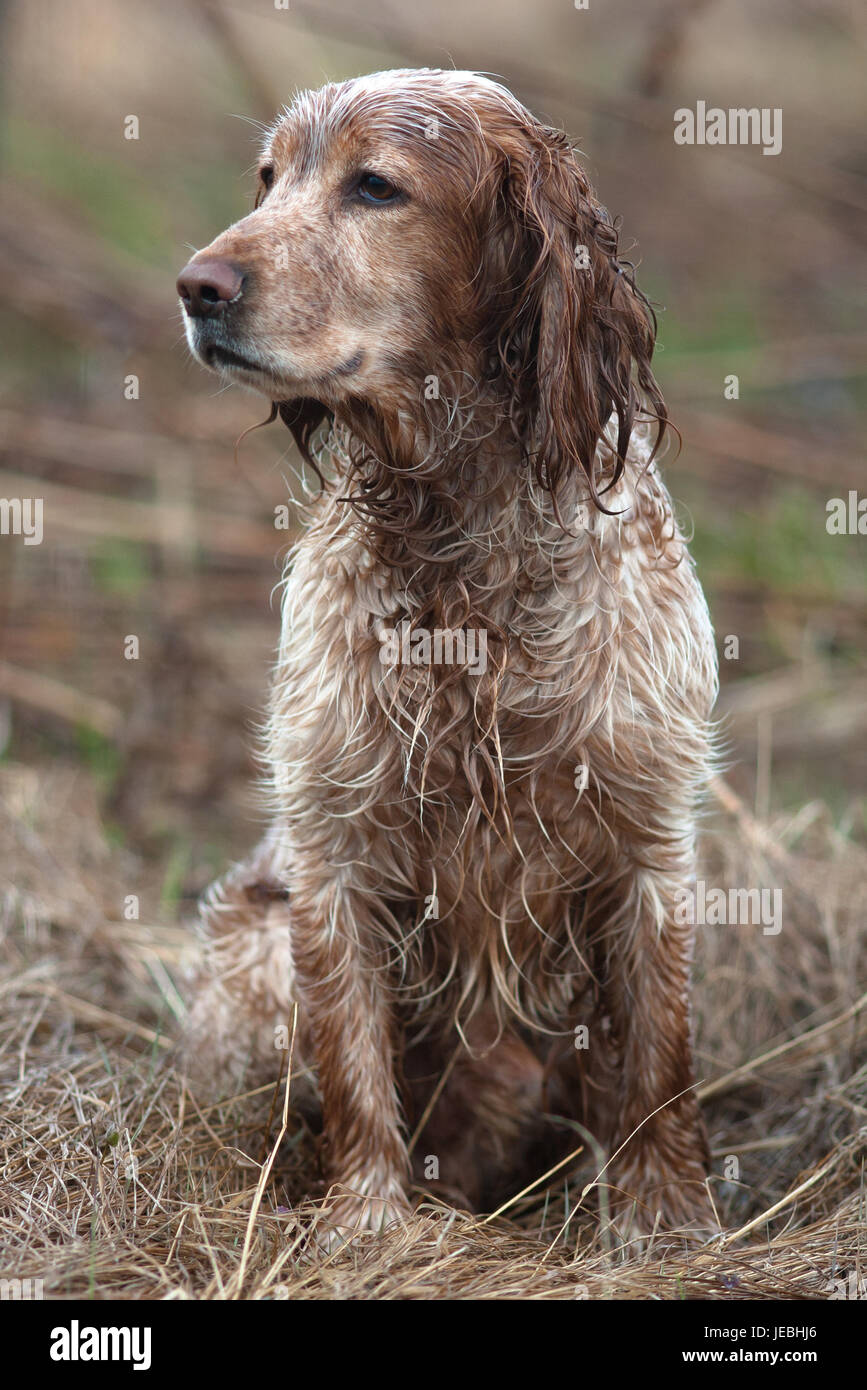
(155, 527)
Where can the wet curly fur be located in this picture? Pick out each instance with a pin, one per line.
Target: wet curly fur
(470, 858)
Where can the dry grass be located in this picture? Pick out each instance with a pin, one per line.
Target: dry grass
(116, 1183)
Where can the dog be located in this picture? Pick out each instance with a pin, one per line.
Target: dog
(490, 728)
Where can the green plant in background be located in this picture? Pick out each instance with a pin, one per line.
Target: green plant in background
(129, 212)
(176, 869)
(776, 546)
(126, 211)
(120, 568)
(721, 322)
(100, 755)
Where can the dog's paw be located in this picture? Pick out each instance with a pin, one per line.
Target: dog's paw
(346, 1216)
(663, 1219)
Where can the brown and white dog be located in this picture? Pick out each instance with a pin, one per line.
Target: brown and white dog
(489, 728)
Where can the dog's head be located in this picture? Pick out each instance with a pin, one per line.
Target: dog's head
(419, 234)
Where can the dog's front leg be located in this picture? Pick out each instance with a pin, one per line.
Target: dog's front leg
(344, 991)
(660, 1149)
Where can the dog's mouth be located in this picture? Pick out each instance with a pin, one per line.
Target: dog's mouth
(276, 379)
(215, 355)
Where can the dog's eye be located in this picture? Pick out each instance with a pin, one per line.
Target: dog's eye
(374, 189)
(266, 174)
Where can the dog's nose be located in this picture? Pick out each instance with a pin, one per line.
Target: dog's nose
(206, 287)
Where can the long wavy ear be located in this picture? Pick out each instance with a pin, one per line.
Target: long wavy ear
(578, 342)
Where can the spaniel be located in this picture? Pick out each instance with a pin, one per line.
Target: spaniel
(489, 731)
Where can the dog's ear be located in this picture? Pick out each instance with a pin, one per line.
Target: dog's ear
(577, 342)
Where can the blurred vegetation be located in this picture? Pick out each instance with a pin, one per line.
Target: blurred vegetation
(153, 528)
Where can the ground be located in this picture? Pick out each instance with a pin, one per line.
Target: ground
(118, 1183)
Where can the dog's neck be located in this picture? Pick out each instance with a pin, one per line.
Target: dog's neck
(465, 529)
(442, 501)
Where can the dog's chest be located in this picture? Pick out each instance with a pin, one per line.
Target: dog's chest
(423, 702)
(361, 649)
(447, 731)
